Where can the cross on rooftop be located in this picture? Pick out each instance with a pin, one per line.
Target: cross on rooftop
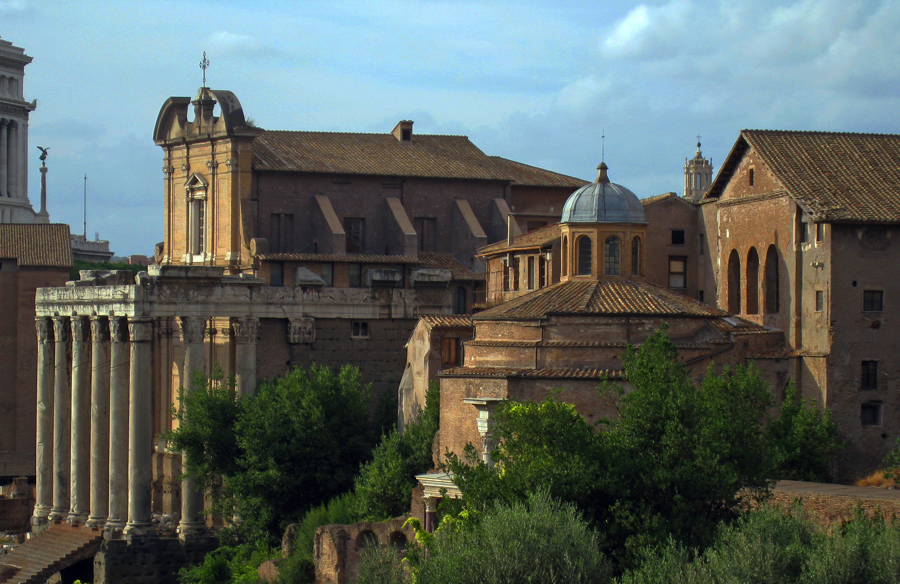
(204, 64)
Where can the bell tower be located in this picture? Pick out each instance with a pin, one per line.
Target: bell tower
(697, 175)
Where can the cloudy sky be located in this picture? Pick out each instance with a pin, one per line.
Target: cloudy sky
(529, 80)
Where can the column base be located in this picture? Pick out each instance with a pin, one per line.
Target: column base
(79, 518)
(113, 529)
(191, 529)
(40, 521)
(58, 515)
(95, 521)
(139, 530)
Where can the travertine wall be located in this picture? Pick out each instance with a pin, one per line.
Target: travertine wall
(148, 560)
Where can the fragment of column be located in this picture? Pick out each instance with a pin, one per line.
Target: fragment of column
(44, 450)
(81, 421)
(245, 329)
(192, 522)
(62, 420)
(140, 427)
(99, 421)
(119, 387)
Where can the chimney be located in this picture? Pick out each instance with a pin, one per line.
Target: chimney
(403, 131)
(510, 230)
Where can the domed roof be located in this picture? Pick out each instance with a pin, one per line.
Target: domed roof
(603, 202)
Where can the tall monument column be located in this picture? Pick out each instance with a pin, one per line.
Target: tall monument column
(62, 404)
(99, 421)
(44, 452)
(81, 416)
(118, 424)
(4, 157)
(140, 427)
(245, 353)
(192, 522)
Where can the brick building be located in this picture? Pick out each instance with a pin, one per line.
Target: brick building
(31, 256)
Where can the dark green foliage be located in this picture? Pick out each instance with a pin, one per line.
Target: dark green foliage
(227, 565)
(382, 565)
(299, 566)
(384, 484)
(803, 440)
(292, 445)
(532, 541)
(79, 265)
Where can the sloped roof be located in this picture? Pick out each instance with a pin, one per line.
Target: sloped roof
(379, 154)
(560, 373)
(447, 320)
(449, 262)
(834, 176)
(616, 297)
(35, 245)
(532, 176)
(536, 238)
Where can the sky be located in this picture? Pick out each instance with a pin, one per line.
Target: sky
(534, 81)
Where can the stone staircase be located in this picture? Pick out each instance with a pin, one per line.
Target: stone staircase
(53, 550)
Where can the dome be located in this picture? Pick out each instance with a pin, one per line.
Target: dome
(603, 202)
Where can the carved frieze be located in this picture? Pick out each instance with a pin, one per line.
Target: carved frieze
(301, 330)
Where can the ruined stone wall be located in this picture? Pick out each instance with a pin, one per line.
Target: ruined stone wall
(147, 561)
(15, 514)
(830, 508)
(337, 549)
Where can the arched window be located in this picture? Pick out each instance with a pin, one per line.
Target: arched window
(612, 256)
(459, 303)
(772, 291)
(734, 283)
(636, 256)
(584, 256)
(752, 281)
(564, 256)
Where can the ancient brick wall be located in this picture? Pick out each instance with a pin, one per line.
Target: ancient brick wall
(15, 514)
(663, 218)
(148, 561)
(830, 504)
(338, 548)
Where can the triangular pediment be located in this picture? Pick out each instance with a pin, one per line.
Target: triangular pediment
(195, 182)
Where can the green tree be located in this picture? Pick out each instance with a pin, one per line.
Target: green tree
(804, 440)
(294, 444)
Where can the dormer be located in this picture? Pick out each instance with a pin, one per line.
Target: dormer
(403, 131)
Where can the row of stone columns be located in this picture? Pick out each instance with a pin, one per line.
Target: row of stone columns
(87, 470)
(11, 159)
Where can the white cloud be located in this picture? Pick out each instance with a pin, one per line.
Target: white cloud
(13, 6)
(225, 41)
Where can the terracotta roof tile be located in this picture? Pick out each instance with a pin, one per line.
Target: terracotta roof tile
(449, 262)
(561, 373)
(537, 238)
(619, 297)
(834, 176)
(447, 320)
(36, 244)
(358, 258)
(526, 175)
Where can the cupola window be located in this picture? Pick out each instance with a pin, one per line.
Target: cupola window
(584, 255)
(196, 189)
(613, 256)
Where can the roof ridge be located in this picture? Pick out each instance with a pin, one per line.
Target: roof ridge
(357, 133)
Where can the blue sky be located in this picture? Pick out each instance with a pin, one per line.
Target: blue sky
(531, 81)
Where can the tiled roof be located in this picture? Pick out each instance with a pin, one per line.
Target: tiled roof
(378, 154)
(561, 373)
(449, 262)
(36, 244)
(532, 176)
(592, 344)
(358, 258)
(537, 238)
(447, 320)
(617, 297)
(835, 177)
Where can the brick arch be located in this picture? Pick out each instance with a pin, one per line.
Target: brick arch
(734, 282)
(752, 270)
(772, 284)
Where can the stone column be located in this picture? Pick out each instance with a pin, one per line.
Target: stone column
(192, 522)
(118, 425)
(245, 354)
(431, 514)
(99, 421)
(44, 452)
(4, 158)
(81, 422)
(13, 168)
(62, 404)
(140, 427)
(486, 407)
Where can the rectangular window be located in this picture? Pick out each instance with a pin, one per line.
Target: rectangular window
(281, 235)
(326, 271)
(677, 272)
(869, 378)
(820, 300)
(751, 176)
(515, 274)
(359, 330)
(201, 227)
(678, 237)
(873, 300)
(449, 351)
(870, 414)
(701, 295)
(425, 228)
(504, 267)
(702, 239)
(820, 232)
(276, 274)
(531, 272)
(354, 275)
(355, 228)
(542, 272)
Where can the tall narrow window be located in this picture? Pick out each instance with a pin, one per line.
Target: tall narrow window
(677, 272)
(820, 232)
(504, 268)
(636, 256)
(734, 283)
(449, 351)
(702, 240)
(281, 232)
(530, 272)
(327, 274)
(459, 302)
(276, 274)
(196, 189)
(354, 275)
(584, 256)
(820, 300)
(773, 293)
(515, 274)
(752, 281)
(869, 379)
(564, 256)
(751, 177)
(201, 227)
(612, 256)
(355, 228)
(542, 271)
(425, 228)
